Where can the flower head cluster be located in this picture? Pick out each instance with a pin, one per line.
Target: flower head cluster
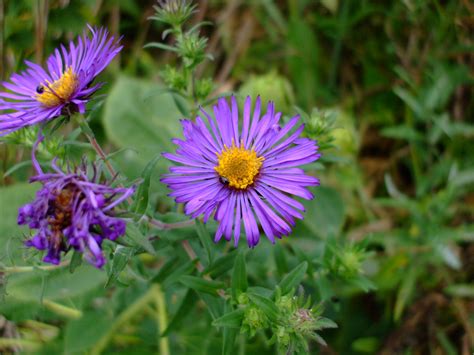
(73, 211)
(243, 171)
(62, 88)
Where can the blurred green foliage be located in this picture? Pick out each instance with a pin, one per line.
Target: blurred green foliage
(386, 248)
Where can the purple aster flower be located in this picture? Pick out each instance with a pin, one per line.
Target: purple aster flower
(244, 171)
(64, 87)
(73, 211)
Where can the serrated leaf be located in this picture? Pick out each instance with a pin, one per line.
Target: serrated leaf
(200, 284)
(239, 276)
(231, 320)
(293, 278)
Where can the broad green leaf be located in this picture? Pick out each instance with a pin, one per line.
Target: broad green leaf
(140, 118)
(83, 333)
(293, 278)
(53, 285)
(200, 284)
(325, 214)
(11, 240)
(239, 276)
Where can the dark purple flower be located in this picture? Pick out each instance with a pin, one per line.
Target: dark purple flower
(62, 88)
(243, 171)
(73, 211)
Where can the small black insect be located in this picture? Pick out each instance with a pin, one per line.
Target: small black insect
(223, 180)
(40, 89)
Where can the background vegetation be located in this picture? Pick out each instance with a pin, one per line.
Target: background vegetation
(386, 247)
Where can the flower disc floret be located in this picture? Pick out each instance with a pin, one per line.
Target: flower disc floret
(239, 166)
(60, 91)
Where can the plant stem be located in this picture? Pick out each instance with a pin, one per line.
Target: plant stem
(162, 320)
(20, 343)
(21, 269)
(167, 226)
(86, 129)
(62, 310)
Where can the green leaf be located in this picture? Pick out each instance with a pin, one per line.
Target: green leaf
(206, 240)
(221, 265)
(187, 304)
(76, 261)
(185, 269)
(200, 284)
(122, 256)
(143, 121)
(54, 285)
(231, 320)
(293, 278)
(138, 239)
(280, 259)
(229, 335)
(165, 270)
(239, 276)
(266, 305)
(11, 199)
(325, 214)
(405, 291)
(142, 195)
(80, 335)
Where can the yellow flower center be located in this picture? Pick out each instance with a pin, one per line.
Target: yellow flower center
(238, 166)
(60, 91)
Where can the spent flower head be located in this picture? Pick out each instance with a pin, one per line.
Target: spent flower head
(63, 87)
(73, 211)
(243, 171)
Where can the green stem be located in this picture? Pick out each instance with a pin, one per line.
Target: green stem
(20, 343)
(162, 320)
(86, 129)
(21, 269)
(62, 310)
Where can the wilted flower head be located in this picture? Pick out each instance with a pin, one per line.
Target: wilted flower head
(73, 211)
(243, 170)
(62, 88)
